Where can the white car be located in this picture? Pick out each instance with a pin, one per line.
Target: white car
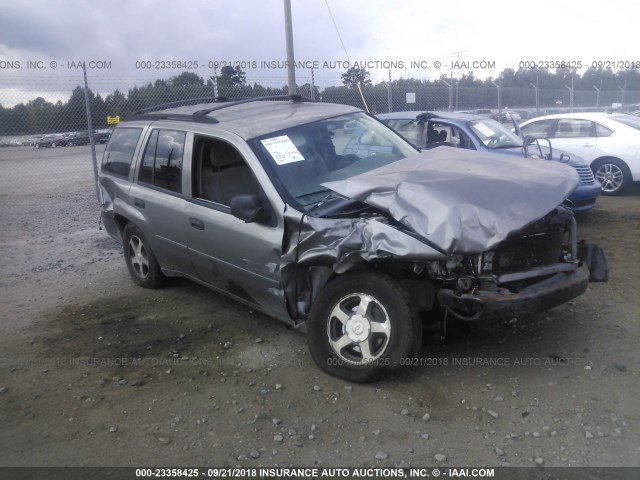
(510, 114)
(610, 143)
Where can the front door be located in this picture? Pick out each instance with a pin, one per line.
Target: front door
(240, 258)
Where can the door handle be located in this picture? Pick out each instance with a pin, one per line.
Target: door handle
(196, 223)
(588, 144)
(139, 203)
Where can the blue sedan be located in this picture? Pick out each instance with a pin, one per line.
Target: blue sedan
(475, 132)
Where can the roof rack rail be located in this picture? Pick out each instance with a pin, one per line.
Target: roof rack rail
(293, 98)
(180, 103)
(201, 116)
(184, 117)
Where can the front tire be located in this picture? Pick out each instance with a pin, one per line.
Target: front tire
(141, 262)
(613, 175)
(362, 325)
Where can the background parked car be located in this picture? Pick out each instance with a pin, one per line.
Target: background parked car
(54, 140)
(78, 138)
(102, 136)
(609, 143)
(477, 132)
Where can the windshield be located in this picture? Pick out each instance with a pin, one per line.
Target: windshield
(494, 135)
(304, 157)
(628, 120)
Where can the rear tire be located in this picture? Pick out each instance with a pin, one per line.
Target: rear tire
(362, 325)
(613, 175)
(141, 262)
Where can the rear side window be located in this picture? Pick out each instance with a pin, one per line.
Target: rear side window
(539, 129)
(119, 152)
(602, 131)
(573, 128)
(162, 162)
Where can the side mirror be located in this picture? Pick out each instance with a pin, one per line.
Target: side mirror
(247, 207)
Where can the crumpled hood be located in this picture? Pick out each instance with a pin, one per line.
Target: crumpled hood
(462, 201)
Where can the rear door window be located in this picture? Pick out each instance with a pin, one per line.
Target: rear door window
(573, 128)
(162, 161)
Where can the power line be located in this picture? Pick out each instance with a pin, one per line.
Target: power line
(337, 31)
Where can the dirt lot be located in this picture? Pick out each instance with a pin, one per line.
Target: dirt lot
(95, 371)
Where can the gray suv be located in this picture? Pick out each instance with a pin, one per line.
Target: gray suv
(272, 202)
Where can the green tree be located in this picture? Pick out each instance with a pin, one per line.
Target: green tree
(406, 82)
(187, 79)
(307, 91)
(356, 76)
(116, 104)
(469, 80)
(231, 77)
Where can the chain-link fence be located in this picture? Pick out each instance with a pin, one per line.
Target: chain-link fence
(46, 111)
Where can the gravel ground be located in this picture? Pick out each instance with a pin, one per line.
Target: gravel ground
(97, 372)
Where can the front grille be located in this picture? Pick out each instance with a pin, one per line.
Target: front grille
(529, 251)
(586, 175)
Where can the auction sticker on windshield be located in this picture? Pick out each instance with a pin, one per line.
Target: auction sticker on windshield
(282, 149)
(482, 128)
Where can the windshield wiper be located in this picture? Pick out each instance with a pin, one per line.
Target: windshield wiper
(305, 195)
(507, 145)
(323, 201)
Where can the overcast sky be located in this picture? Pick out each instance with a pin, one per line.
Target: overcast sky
(123, 32)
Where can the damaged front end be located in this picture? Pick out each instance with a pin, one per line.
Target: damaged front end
(532, 270)
(478, 240)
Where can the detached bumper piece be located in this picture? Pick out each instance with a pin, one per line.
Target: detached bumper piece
(548, 293)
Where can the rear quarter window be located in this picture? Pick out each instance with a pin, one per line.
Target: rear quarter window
(118, 155)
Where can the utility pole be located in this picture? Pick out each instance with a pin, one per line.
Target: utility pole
(570, 88)
(291, 71)
(92, 139)
(389, 98)
(622, 89)
(598, 96)
(313, 86)
(450, 85)
(535, 87)
(499, 86)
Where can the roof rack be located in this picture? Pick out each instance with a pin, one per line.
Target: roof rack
(201, 116)
(184, 117)
(293, 98)
(180, 103)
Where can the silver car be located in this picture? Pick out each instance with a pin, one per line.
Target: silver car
(273, 203)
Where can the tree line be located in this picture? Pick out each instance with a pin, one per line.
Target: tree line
(40, 116)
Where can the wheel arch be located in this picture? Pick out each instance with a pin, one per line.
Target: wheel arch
(420, 288)
(121, 222)
(603, 158)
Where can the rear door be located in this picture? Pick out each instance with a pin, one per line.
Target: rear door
(157, 195)
(576, 136)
